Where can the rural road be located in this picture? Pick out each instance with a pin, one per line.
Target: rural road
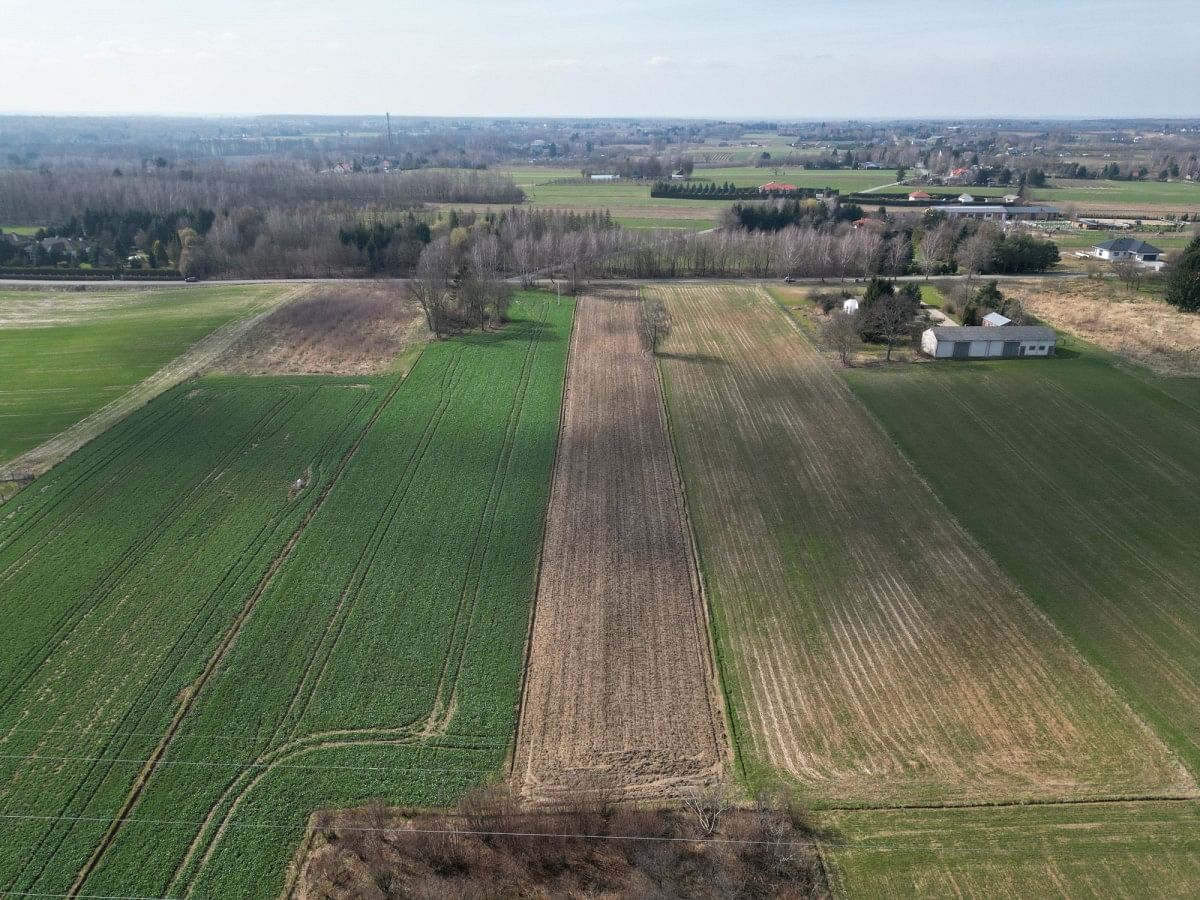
(51, 283)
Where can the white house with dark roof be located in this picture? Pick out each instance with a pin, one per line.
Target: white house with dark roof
(1127, 248)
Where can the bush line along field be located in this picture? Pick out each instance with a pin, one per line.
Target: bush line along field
(871, 653)
(1080, 477)
(1096, 850)
(271, 647)
(65, 355)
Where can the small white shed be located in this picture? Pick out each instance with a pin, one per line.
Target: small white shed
(983, 342)
(850, 305)
(995, 320)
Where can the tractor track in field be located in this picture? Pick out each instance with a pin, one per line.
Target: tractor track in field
(222, 650)
(203, 615)
(190, 363)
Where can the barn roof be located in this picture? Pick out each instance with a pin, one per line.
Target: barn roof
(990, 333)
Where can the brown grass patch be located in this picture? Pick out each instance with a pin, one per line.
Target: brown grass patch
(355, 328)
(490, 847)
(619, 693)
(1137, 326)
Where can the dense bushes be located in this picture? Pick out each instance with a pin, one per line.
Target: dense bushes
(1183, 282)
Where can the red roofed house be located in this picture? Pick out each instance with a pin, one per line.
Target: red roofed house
(776, 186)
(920, 195)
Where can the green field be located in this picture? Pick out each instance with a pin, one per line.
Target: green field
(273, 650)
(65, 355)
(1080, 477)
(1072, 850)
(1119, 193)
(29, 230)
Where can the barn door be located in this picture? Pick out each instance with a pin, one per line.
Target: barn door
(1010, 349)
(962, 349)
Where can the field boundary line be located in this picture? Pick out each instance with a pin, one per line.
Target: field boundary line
(222, 650)
(537, 580)
(716, 675)
(192, 362)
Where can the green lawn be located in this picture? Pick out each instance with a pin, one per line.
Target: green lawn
(20, 229)
(1134, 193)
(359, 638)
(65, 355)
(1080, 477)
(1076, 850)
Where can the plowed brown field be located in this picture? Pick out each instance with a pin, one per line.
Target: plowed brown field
(871, 651)
(619, 691)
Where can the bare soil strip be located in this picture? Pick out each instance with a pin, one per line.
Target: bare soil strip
(619, 692)
(873, 653)
(198, 358)
(352, 328)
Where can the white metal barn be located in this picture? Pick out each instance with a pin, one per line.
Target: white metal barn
(986, 342)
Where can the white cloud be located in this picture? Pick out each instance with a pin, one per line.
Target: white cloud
(660, 61)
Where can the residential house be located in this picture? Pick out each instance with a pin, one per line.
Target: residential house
(1127, 248)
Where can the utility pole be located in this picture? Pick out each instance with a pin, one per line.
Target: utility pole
(389, 124)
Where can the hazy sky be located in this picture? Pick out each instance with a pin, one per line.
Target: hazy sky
(728, 58)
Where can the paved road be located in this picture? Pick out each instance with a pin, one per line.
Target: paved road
(52, 283)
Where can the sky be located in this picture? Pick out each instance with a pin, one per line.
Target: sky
(737, 59)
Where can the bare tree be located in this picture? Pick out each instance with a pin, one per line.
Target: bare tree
(658, 322)
(932, 251)
(892, 318)
(431, 287)
(708, 804)
(975, 253)
(840, 333)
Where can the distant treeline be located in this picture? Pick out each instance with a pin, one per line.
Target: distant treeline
(779, 214)
(710, 190)
(56, 195)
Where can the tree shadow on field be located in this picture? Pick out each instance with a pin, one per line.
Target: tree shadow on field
(694, 358)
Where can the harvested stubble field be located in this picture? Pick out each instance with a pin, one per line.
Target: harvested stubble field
(351, 328)
(619, 691)
(872, 653)
(1074, 850)
(203, 651)
(1080, 477)
(68, 355)
(1139, 327)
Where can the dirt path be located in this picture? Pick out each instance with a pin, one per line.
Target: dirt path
(619, 692)
(200, 356)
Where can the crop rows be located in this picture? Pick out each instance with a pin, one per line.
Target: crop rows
(1081, 479)
(870, 651)
(1067, 850)
(361, 639)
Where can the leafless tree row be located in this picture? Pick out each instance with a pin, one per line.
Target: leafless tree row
(51, 197)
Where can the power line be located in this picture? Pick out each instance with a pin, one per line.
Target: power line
(815, 843)
(241, 765)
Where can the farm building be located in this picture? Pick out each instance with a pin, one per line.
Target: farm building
(984, 342)
(1001, 213)
(1127, 248)
(995, 320)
